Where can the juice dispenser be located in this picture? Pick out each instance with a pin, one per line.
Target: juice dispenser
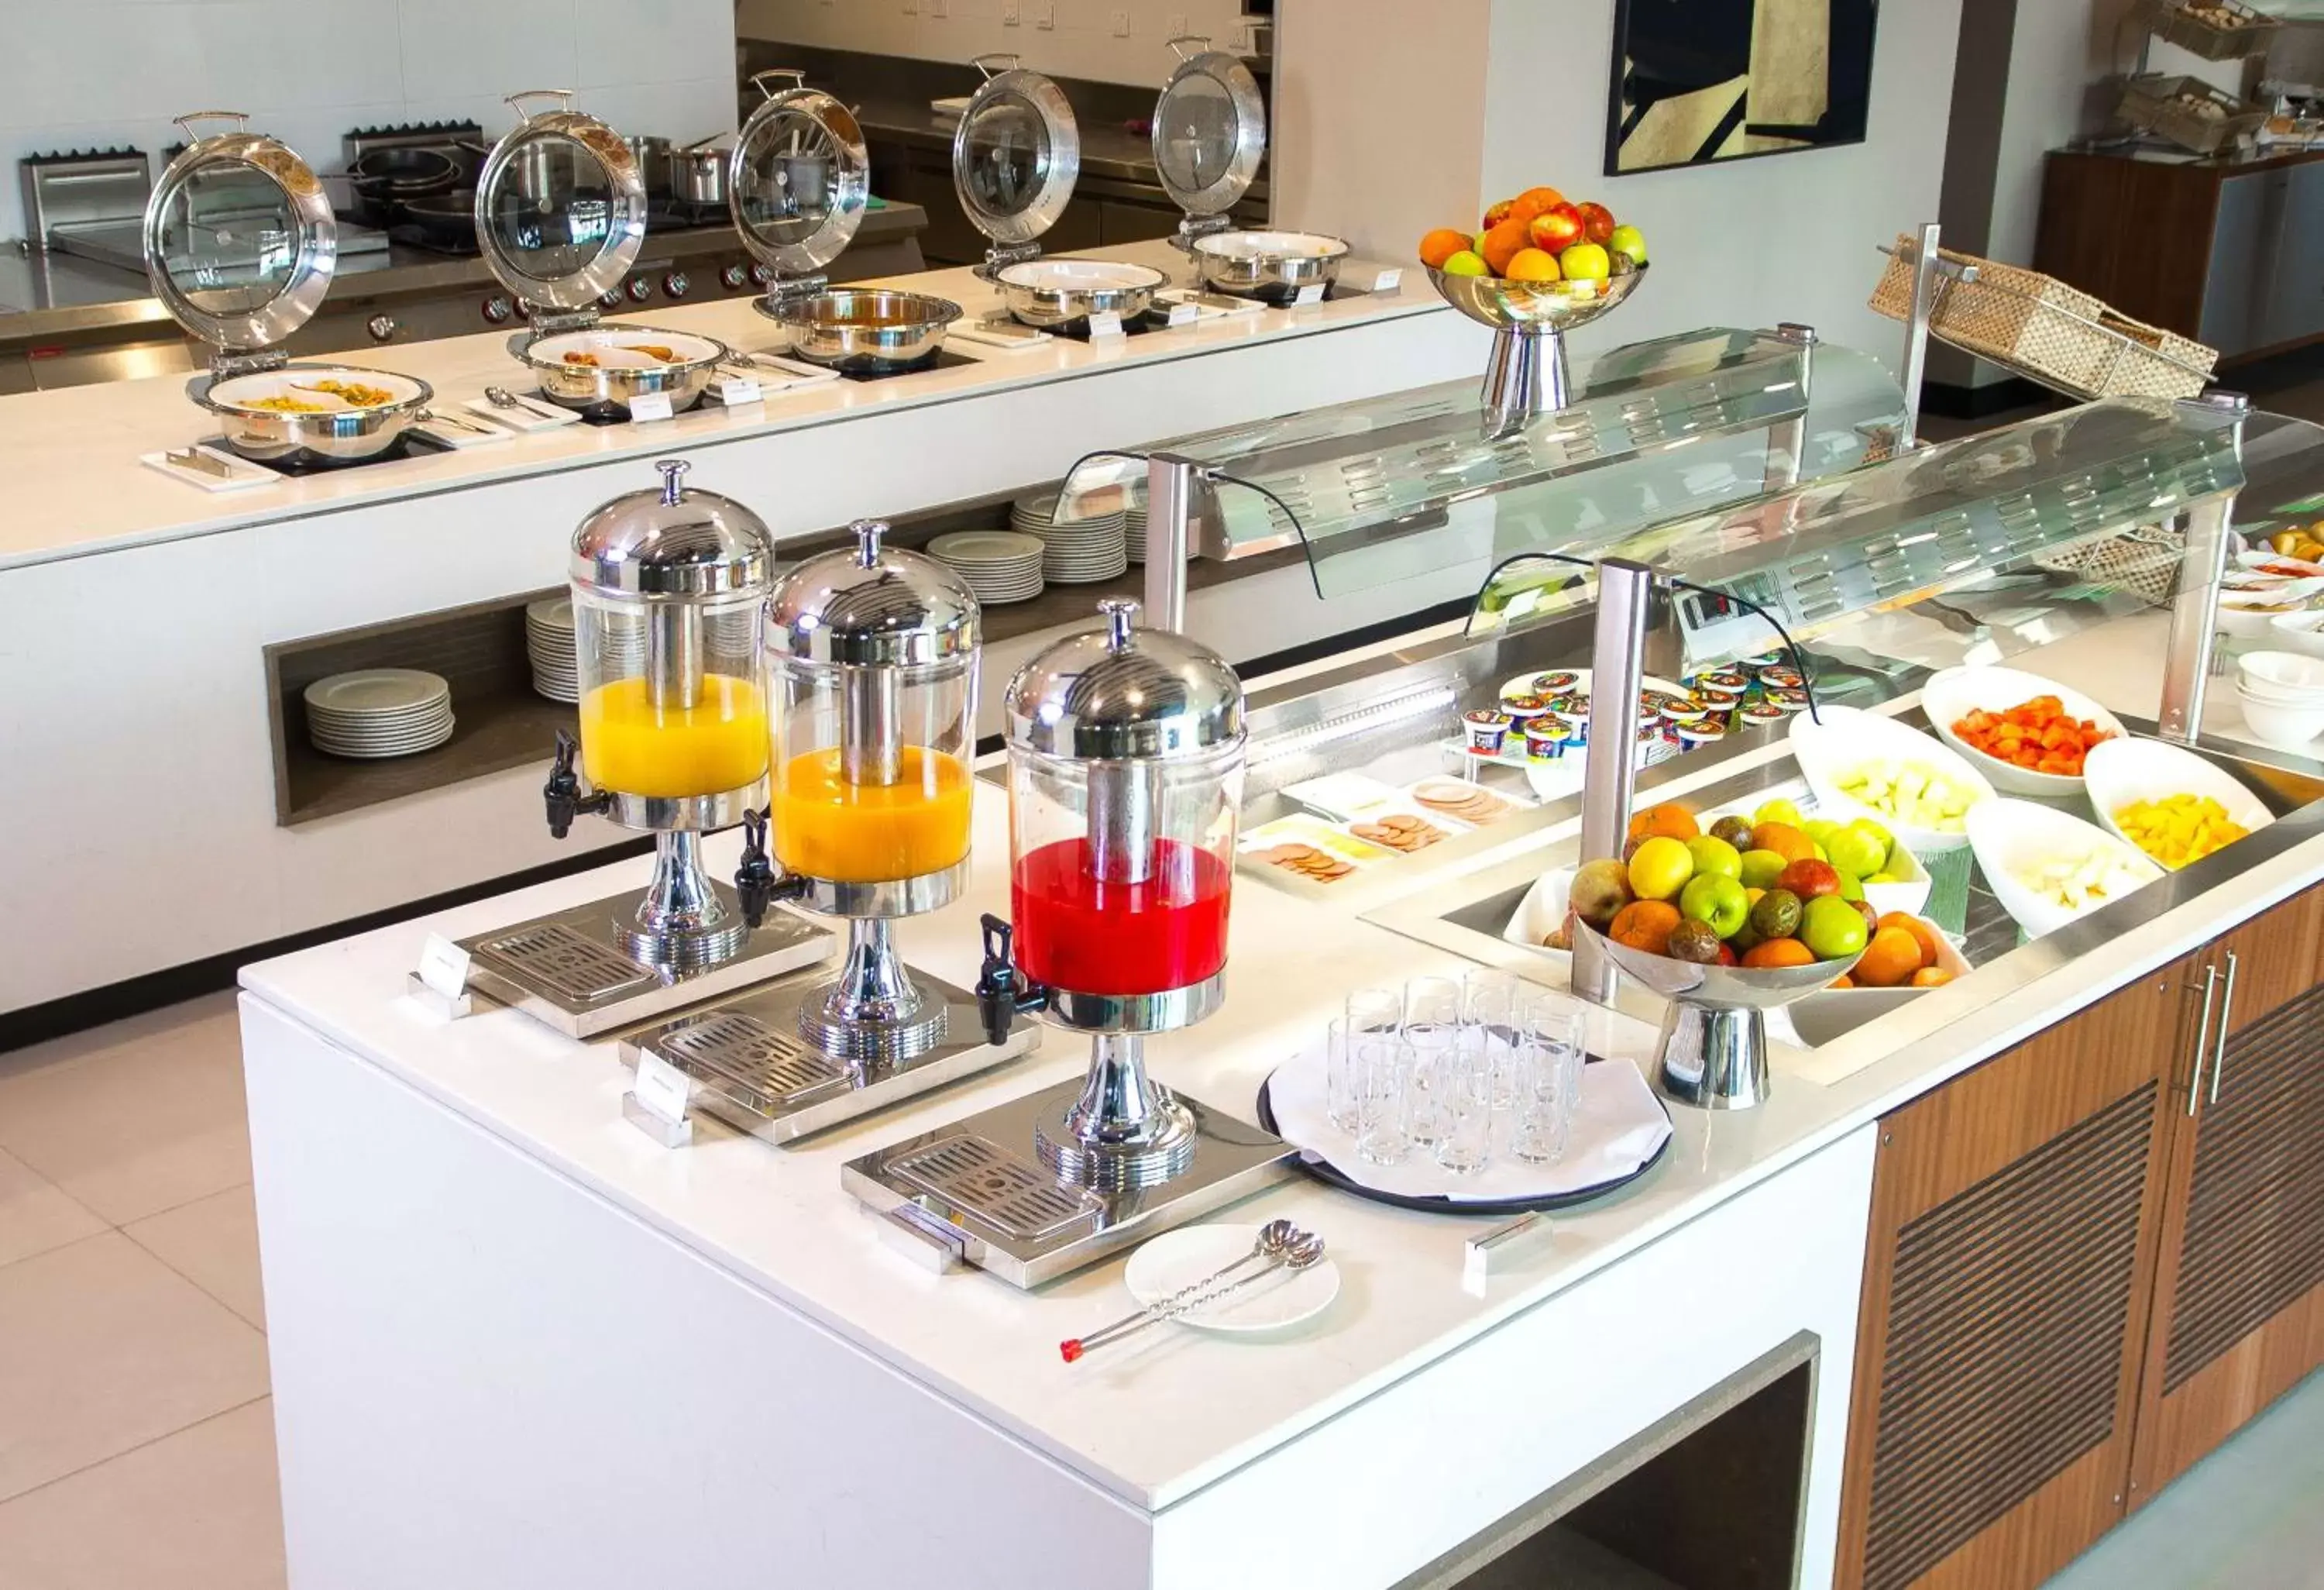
(1125, 767)
(872, 664)
(668, 587)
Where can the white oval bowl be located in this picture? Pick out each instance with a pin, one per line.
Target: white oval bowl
(2298, 632)
(1849, 737)
(1953, 694)
(2008, 835)
(2291, 678)
(2121, 772)
(2286, 729)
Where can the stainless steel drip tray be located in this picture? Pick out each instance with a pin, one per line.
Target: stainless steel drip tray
(752, 1070)
(976, 1190)
(571, 970)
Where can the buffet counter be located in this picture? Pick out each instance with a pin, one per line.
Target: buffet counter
(238, 598)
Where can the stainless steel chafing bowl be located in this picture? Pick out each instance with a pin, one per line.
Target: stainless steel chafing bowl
(865, 329)
(1049, 293)
(595, 388)
(1269, 265)
(347, 435)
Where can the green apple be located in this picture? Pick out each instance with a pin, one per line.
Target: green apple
(1777, 811)
(1833, 928)
(1761, 868)
(1630, 241)
(1467, 263)
(1712, 854)
(1718, 899)
(1857, 854)
(1820, 830)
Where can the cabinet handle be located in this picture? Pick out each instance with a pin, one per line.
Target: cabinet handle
(2227, 1017)
(2202, 1031)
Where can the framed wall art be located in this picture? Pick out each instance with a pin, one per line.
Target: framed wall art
(1701, 81)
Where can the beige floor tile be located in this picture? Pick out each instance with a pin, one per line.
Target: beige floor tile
(36, 1216)
(136, 1117)
(212, 1242)
(107, 1348)
(197, 1511)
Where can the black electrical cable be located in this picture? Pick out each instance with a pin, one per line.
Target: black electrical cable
(1798, 658)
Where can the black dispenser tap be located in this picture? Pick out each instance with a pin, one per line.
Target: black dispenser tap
(756, 882)
(1001, 994)
(562, 794)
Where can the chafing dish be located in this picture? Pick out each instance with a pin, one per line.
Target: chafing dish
(621, 374)
(346, 435)
(1062, 292)
(864, 330)
(1272, 266)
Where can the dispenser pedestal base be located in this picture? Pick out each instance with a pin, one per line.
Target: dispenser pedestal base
(574, 970)
(753, 1070)
(983, 1182)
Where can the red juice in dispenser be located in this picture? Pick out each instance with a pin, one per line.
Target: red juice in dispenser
(1076, 930)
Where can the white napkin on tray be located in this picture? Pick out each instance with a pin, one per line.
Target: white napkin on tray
(1619, 1127)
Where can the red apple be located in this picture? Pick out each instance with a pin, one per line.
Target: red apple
(1726, 956)
(1556, 230)
(1597, 221)
(1809, 878)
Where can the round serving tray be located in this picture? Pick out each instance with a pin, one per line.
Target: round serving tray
(240, 243)
(1324, 1171)
(1016, 154)
(560, 207)
(799, 177)
(1209, 129)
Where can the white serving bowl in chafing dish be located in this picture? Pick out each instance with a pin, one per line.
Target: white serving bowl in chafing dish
(1065, 292)
(333, 431)
(616, 371)
(1271, 266)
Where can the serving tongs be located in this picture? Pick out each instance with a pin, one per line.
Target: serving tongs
(196, 459)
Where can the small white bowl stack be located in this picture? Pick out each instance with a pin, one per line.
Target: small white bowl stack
(549, 644)
(379, 712)
(997, 566)
(1083, 551)
(2282, 694)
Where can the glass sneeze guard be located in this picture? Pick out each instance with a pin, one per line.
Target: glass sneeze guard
(1423, 479)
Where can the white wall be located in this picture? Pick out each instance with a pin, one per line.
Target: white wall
(76, 73)
(1082, 42)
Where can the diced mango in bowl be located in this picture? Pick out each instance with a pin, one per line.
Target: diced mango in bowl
(2178, 829)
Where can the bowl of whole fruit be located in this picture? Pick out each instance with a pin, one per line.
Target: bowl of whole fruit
(1537, 264)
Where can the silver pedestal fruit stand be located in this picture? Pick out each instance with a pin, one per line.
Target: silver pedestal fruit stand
(1125, 750)
(1527, 373)
(668, 587)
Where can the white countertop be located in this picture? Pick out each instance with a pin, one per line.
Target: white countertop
(1152, 1422)
(78, 487)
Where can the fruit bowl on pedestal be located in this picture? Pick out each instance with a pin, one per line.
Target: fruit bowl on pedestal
(1714, 1036)
(1527, 373)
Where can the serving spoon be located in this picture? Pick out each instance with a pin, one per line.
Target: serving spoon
(1279, 1245)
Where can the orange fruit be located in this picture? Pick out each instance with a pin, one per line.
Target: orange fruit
(1501, 245)
(1670, 820)
(1842, 981)
(1779, 952)
(1533, 202)
(1440, 245)
(1932, 977)
(1533, 264)
(1918, 929)
(1784, 840)
(1644, 924)
(1892, 956)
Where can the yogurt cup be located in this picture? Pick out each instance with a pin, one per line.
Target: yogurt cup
(1782, 678)
(1487, 729)
(1760, 714)
(1544, 738)
(1524, 706)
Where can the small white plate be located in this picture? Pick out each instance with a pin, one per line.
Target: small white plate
(1003, 547)
(1180, 1258)
(370, 692)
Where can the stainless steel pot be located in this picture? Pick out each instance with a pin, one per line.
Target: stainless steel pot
(653, 157)
(270, 436)
(1064, 292)
(1271, 266)
(864, 330)
(697, 175)
(602, 389)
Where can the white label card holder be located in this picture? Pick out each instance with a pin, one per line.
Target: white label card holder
(1308, 292)
(649, 405)
(440, 981)
(1105, 323)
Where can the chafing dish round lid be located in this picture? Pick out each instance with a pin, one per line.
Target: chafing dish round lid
(669, 542)
(872, 604)
(798, 178)
(239, 239)
(560, 207)
(1209, 129)
(1120, 691)
(1016, 154)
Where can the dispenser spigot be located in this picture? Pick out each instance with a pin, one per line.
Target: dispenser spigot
(757, 883)
(1002, 995)
(562, 794)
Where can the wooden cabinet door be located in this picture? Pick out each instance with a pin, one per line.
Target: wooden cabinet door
(2015, 1218)
(2238, 1315)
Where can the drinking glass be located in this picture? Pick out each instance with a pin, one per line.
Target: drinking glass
(1374, 1009)
(1548, 1081)
(1467, 1144)
(1428, 1052)
(1489, 1001)
(1431, 1001)
(1380, 1134)
(1344, 1080)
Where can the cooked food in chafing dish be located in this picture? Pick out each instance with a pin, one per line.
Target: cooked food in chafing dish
(652, 350)
(355, 393)
(289, 405)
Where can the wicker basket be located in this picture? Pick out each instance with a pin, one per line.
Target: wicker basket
(2057, 334)
(2156, 104)
(2251, 34)
(2145, 563)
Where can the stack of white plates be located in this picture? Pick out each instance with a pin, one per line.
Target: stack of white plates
(999, 566)
(1134, 531)
(548, 642)
(1078, 554)
(379, 712)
